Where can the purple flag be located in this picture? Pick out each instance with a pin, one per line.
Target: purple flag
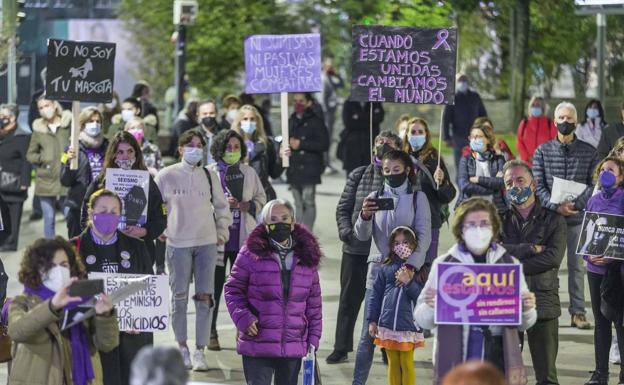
(478, 294)
(282, 63)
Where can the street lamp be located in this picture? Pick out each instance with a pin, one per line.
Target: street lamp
(184, 13)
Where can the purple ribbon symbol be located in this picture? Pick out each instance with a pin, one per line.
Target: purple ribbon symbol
(442, 36)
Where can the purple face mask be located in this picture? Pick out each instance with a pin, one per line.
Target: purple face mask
(105, 223)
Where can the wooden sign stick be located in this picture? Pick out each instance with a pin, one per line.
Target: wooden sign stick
(284, 114)
(371, 131)
(75, 132)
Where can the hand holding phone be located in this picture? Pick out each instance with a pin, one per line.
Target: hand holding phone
(385, 204)
(86, 288)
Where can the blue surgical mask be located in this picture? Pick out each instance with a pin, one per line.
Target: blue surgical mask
(462, 86)
(478, 145)
(536, 111)
(248, 126)
(417, 141)
(592, 113)
(519, 196)
(193, 155)
(93, 129)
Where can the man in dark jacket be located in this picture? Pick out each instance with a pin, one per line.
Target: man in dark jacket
(355, 143)
(360, 183)
(458, 118)
(610, 135)
(537, 237)
(208, 126)
(15, 171)
(568, 158)
(308, 140)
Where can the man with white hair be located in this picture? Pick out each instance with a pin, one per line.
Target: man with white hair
(568, 158)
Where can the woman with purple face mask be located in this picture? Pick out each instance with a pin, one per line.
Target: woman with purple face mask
(103, 248)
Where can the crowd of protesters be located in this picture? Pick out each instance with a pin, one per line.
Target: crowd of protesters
(214, 219)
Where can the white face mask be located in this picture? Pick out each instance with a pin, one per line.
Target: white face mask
(47, 112)
(478, 239)
(126, 115)
(231, 115)
(56, 278)
(193, 155)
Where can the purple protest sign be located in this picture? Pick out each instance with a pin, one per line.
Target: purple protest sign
(282, 63)
(478, 294)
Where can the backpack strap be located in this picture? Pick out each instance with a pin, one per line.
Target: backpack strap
(209, 181)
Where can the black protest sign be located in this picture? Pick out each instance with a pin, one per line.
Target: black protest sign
(602, 235)
(234, 181)
(80, 71)
(404, 64)
(134, 204)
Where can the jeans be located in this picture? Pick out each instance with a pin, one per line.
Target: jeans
(576, 273)
(305, 204)
(353, 271)
(365, 350)
(602, 331)
(200, 262)
(260, 370)
(48, 208)
(219, 281)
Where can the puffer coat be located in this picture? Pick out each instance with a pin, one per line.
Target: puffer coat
(253, 292)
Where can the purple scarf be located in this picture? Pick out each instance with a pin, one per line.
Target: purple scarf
(82, 368)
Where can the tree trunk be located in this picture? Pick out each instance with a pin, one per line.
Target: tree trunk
(519, 47)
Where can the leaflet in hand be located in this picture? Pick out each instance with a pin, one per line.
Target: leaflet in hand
(565, 190)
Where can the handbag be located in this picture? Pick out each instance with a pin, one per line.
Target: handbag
(9, 182)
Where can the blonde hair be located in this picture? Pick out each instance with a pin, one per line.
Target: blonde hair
(133, 120)
(86, 114)
(259, 134)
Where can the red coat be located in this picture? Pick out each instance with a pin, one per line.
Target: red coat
(532, 132)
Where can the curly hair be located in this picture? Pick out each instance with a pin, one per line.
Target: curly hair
(472, 205)
(618, 162)
(38, 257)
(220, 143)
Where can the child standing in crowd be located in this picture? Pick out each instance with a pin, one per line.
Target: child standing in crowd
(391, 307)
(603, 276)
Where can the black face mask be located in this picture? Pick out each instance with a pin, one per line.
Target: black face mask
(395, 180)
(279, 232)
(209, 121)
(566, 128)
(382, 149)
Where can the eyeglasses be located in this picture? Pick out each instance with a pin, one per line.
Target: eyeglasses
(474, 225)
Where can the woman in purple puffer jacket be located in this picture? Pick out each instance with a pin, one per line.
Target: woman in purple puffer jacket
(274, 297)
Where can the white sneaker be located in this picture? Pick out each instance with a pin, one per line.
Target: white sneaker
(199, 361)
(614, 352)
(186, 356)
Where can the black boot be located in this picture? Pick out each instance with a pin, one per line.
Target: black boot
(336, 357)
(598, 378)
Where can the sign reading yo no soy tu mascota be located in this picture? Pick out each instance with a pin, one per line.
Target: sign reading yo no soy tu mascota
(282, 63)
(80, 71)
(404, 64)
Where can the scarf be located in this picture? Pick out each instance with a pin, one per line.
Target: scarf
(82, 368)
(89, 141)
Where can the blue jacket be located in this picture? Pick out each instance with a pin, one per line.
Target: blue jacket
(392, 306)
(487, 185)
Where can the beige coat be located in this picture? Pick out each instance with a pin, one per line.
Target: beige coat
(44, 153)
(41, 353)
(252, 191)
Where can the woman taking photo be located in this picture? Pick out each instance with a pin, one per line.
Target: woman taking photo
(43, 353)
(274, 297)
(90, 162)
(261, 154)
(603, 274)
(476, 226)
(481, 171)
(228, 149)
(124, 153)
(434, 180)
(107, 250)
(49, 139)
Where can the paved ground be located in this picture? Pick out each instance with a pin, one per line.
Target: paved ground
(575, 353)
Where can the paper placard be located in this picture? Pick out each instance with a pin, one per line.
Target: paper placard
(478, 294)
(132, 186)
(147, 310)
(403, 64)
(83, 71)
(283, 63)
(564, 190)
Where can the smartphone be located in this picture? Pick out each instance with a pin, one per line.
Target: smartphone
(86, 288)
(384, 204)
